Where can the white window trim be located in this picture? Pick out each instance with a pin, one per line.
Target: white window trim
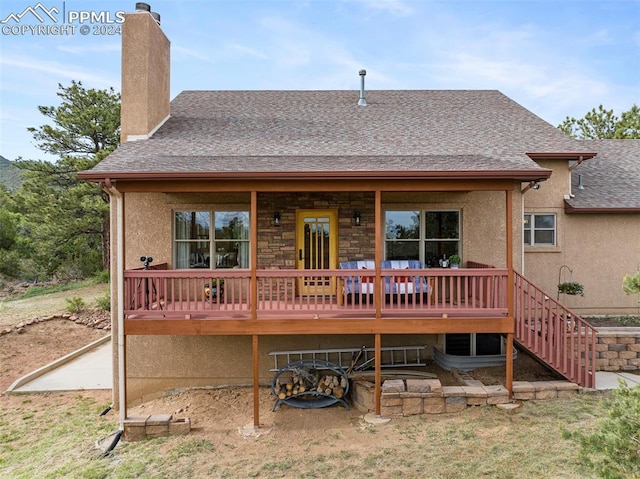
(532, 231)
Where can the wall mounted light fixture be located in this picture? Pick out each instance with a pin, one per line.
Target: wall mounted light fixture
(357, 218)
(532, 184)
(276, 219)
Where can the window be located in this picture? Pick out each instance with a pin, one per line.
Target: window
(474, 344)
(197, 245)
(539, 230)
(423, 235)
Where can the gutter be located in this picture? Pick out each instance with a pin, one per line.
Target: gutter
(522, 175)
(575, 156)
(568, 209)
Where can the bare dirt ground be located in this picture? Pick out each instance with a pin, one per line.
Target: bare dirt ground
(217, 415)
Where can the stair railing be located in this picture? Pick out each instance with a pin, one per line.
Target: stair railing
(555, 334)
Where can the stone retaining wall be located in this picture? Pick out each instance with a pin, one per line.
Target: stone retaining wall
(427, 396)
(618, 349)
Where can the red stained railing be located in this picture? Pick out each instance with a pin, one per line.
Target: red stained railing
(555, 334)
(225, 293)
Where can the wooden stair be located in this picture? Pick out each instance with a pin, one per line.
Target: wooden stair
(554, 334)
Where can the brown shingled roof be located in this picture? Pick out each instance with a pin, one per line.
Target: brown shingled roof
(256, 132)
(611, 180)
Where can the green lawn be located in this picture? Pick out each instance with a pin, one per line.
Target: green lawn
(44, 438)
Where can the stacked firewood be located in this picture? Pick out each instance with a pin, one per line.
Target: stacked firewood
(301, 381)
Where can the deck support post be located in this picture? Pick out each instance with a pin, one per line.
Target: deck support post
(510, 289)
(509, 365)
(378, 386)
(253, 294)
(378, 298)
(253, 220)
(256, 383)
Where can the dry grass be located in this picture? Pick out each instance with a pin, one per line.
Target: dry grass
(58, 440)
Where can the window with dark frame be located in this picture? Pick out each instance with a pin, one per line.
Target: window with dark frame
(422, 235)
(198, 245)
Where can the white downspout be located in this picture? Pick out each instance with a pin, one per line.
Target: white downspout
(522, 267)
(120, 297)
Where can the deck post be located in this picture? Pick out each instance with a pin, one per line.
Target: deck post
(378, 297)
(378, 388)
(510, 290)
(253, 290)
(254, 306)
(256, 383)
(509, 365)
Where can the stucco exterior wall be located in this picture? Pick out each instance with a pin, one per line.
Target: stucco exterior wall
(145, 76)
(483, 216)
(599, 248)
(159, 363)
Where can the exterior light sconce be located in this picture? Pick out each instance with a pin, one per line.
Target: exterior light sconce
(532, 184)
(357, 218)
(276, 219)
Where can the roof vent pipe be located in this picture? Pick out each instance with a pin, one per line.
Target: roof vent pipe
(580, 183)
(156, 17)
(362, 101)
(143, 7)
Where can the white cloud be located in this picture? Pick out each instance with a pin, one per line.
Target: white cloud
(99, 48)
(59, 70)
(247, 51)
(394, 7)
(181, 52)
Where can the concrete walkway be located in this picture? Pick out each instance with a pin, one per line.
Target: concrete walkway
(87, 368)
(91, 368)
(607, 380)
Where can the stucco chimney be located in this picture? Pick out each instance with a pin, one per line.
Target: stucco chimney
(145, 75)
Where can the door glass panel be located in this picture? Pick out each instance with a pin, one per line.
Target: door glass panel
(316, 253)
(316, 243)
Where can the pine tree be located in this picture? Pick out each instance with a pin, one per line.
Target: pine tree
(65, 220)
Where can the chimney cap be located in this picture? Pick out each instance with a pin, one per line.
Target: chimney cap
(143, 7)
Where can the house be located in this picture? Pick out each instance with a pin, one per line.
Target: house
(248, 222)
(595, 208)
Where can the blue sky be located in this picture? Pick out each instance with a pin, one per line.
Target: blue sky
(557, 58)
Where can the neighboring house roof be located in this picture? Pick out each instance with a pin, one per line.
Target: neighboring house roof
(611, 180)
(235, 133)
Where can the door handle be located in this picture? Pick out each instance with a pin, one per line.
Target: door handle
(300, 254)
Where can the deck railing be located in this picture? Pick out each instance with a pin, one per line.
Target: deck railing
(554, 333)
(225, 293)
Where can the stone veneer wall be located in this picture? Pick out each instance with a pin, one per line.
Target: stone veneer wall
(618, 349)
(277, 244)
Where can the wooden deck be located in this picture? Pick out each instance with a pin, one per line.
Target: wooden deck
(164, 301)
